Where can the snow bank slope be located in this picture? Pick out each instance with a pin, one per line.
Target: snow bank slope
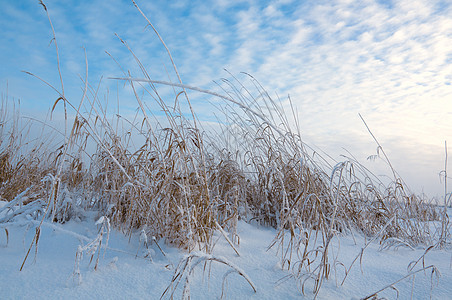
(125, 273)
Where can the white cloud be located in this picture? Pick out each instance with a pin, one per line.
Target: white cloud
(272, 11)
(389, 61)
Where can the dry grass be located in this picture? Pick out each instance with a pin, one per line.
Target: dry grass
(184, 182)
(24, 162)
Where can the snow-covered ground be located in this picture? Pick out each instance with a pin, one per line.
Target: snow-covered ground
(125, 273)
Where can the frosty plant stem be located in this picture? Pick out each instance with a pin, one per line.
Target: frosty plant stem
(169, 55)
(445, 217)
(434, 272)
(361, 253)
(58, 65)
(92, 247)
(187, 266)
(379, 148)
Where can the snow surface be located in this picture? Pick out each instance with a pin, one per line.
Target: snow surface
(125, 273)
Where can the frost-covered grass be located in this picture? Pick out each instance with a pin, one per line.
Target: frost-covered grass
(171, 181)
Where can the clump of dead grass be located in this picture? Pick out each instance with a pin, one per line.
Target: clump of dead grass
(182, 182)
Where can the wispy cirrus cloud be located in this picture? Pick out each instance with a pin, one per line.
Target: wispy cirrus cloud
(388, 60)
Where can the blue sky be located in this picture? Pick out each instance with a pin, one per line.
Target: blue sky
(391, 61)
